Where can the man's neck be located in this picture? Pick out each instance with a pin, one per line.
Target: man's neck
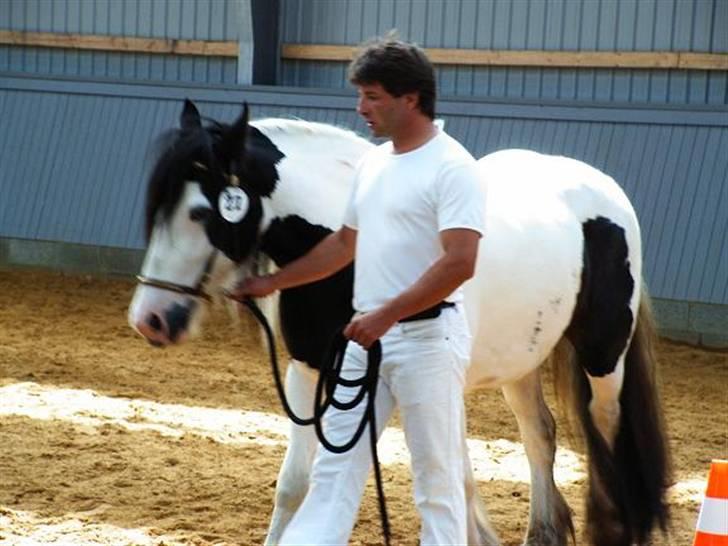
(417, 133)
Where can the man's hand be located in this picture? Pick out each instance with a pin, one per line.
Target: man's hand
(366, 328)
(330, 255)
(255, 287)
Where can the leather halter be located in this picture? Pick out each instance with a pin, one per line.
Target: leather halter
(197, 291)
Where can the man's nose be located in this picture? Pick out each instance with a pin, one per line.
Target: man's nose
(361, 107)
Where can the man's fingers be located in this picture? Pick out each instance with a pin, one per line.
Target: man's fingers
(256, 287)
(353, 333)
(234, 295)
(238, 290)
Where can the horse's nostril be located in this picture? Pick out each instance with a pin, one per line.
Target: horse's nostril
(178, 318)
(155, 322)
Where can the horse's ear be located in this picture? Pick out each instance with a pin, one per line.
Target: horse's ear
(233, 146)
(239, 129)
(190, 117)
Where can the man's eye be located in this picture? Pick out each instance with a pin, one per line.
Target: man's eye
(200, 214)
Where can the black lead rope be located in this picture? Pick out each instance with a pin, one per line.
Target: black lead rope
(329, 379)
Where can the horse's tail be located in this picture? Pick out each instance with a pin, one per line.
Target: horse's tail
(627, 486)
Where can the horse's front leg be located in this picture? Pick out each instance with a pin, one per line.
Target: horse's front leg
(549, 522)
(293, 477)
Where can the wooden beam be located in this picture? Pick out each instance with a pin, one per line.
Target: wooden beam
(570, 59)
(702, 61)
(576, 59)
(318, 52)
(679, 60)
(122, 44)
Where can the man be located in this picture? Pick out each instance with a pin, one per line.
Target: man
(413, 224)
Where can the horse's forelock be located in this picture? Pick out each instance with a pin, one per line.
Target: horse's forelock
(175, 150)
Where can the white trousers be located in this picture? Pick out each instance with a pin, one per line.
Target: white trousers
(423, 372)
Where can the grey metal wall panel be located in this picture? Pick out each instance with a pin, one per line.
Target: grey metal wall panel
(571, 25)
(74, 156)
(174, 19)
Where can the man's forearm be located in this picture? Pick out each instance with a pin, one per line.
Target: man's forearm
(438, 282)
(332, 254)
(454, 267)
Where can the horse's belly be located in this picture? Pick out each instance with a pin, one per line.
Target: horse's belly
(524, 291)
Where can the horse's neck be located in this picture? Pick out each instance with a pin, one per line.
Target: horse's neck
(317, 172)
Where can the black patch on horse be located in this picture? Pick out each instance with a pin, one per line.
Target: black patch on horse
(310, 314)
(602, 322)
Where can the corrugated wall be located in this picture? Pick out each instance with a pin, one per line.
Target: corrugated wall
(568, 25)
(174, 19)
(72, 162)
(605, 25)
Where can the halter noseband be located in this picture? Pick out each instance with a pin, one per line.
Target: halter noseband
(197, 291)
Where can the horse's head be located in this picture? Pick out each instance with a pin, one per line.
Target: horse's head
(203, 218)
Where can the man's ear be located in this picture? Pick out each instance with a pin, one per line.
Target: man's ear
(412, 100)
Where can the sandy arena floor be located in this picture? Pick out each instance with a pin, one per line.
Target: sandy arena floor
(108, 441)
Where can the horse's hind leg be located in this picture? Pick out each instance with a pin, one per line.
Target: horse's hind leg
(605, 522)
(604, 404)
(293, 477)
(549, 522)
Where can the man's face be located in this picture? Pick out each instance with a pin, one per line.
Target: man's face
(384, 113)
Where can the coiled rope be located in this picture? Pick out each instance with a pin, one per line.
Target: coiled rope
(329, 379)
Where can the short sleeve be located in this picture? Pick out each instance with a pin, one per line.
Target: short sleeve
(461, 198)
(350, 217)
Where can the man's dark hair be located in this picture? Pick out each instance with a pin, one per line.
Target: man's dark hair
(399, 68)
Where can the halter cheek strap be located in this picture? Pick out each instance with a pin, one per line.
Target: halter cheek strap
(197, 291)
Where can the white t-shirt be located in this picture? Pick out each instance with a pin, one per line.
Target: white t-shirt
(399, 206)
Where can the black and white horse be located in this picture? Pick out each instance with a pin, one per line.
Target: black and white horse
(560, 265)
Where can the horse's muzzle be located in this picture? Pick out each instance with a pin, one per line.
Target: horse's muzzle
(166, 328)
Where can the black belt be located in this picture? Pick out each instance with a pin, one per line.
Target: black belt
(429, 313)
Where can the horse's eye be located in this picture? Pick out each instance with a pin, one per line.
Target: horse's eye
(200, 214)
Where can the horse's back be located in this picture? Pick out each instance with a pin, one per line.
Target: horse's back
(523, 295)
(537, 180)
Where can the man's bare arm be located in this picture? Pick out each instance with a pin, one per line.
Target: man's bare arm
(332, 254)
(453, 268)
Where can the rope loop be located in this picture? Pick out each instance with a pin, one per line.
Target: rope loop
(329, 379)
